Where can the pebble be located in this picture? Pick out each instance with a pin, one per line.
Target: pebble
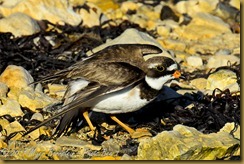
(195, 6)
(205, 26)
(75, 142)
(14, 127)
(16, 77)
(34, 100)
(37, 116)
(194, 61)
(93, 13)
(53, 11)
(111, 145)
(3, 90)
(222, 60)
(222, 79)
(56, 90)
(28, 25)
(10, 107)
(199, 83)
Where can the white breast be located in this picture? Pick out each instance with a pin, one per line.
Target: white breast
(121, 102)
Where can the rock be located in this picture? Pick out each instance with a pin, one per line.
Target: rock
(163, 30)
(10, 107)
(14, 127)
(75, 142)
(195, 6)
(4, 123)
(18, 80)
(235, 3)
(199, 83)
(203, 25)
(129, 6)
(3, 90)
(105, 5)
(106, 158)
(37, 116)
(111, 145)
(56, 90)
(186, 143)
(223, 52)
(90, 16)
(222, 79)
(172, 44)
(126, 157)
(222, 60)
(132, 36)
(19, 24)
(2, 145)
(34, 100)
(47, 146)
(53, 11)
(16, 77)
(194, 61)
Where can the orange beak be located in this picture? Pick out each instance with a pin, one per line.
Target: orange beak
(177, 74)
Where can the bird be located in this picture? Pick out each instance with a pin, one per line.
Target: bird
(114, 80)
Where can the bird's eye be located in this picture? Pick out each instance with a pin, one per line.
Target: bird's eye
(160, 68)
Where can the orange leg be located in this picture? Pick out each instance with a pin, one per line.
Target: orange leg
(127, 128)
(86, 116)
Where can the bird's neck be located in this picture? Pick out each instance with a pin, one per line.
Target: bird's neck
(147, 92)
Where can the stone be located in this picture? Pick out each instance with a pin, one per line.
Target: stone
(75, 142)
(54, 11)
(36, 133)
(34, 100)
(105, 5)
(186, 143)
(194, 61)
(37, 116)
(19, 25)
(222, 60)
(10, 107)
(16, 77)
(56, 90)
(129, 6)
(222, 79)
(195, 6)
(3, 90)
(235, 3)
(172, 44)
(133, 36)
(47, 146)
(14, 127)
(203, 25)
(199, 83)
(163, 30)
(91, 16)
(111, 145)
(2, 145)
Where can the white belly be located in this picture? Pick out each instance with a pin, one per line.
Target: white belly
(120, 102)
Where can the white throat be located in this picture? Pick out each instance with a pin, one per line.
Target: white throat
(157, 83)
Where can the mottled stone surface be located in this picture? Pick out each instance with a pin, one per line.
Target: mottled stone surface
(186, 143)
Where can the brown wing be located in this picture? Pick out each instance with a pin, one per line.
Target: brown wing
(128, 76)
(115, 53)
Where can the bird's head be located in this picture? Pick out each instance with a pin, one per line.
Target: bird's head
(161, 70)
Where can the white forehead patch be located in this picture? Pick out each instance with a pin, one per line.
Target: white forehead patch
(172, 67)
